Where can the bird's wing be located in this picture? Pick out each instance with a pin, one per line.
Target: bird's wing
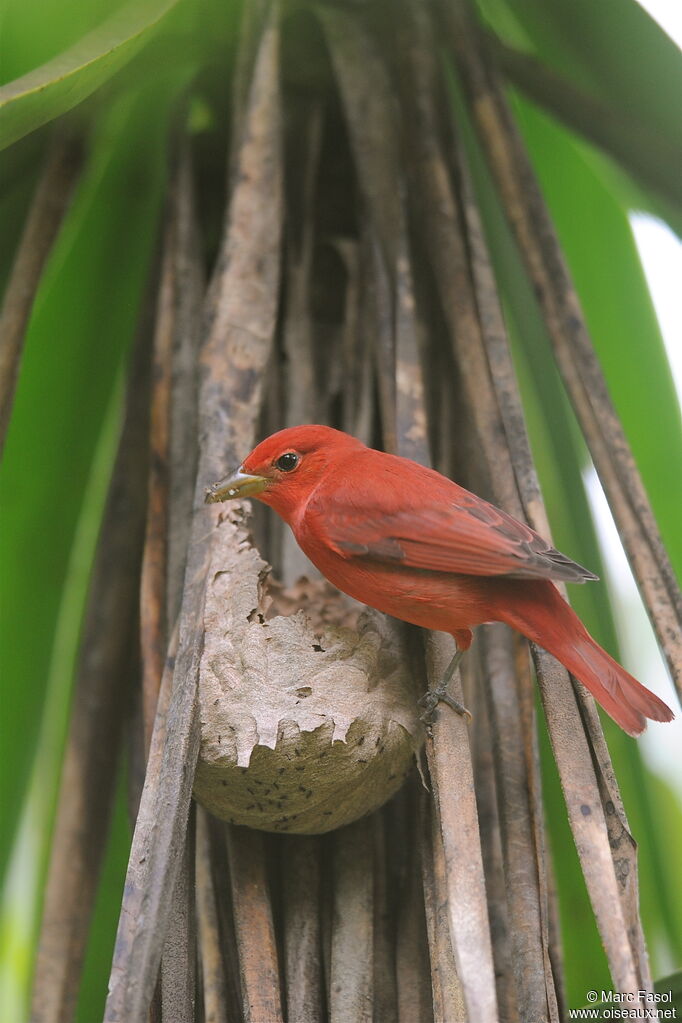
(453, 530)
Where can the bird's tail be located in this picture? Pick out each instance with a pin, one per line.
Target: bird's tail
(544, 617)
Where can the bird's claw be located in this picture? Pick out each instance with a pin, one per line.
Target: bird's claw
(430, 700)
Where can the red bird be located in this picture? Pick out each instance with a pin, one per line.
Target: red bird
(407, 541)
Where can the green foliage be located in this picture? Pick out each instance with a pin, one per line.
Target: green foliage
(50, 90)
(22, 895)
(59, 448)
(80, 330)
(625, 72)
(591, 218)
(614, 50)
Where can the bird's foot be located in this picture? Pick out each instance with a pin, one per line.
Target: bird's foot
(432, 697)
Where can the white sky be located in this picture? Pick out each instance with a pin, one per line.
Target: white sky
(661, 253)
(661, 743)
(668, 14)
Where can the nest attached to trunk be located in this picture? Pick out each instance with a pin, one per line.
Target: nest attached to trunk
(307, 724)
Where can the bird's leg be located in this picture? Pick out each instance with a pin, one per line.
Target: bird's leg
(432, 697)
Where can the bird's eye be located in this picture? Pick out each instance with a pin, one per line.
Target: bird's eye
(287, 461)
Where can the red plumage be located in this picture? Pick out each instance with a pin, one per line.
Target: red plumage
(405, 540)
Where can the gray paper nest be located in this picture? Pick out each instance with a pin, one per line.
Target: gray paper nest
(306, 724)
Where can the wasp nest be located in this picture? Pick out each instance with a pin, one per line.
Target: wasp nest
(306, 723)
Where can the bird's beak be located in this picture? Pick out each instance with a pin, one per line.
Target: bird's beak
(238, 484)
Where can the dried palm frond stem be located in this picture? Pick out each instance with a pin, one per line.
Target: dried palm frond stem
(243, 309)
(50, 202)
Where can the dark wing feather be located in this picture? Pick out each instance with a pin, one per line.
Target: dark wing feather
(462, 534)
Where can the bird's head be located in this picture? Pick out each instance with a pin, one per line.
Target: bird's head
(284, 469)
